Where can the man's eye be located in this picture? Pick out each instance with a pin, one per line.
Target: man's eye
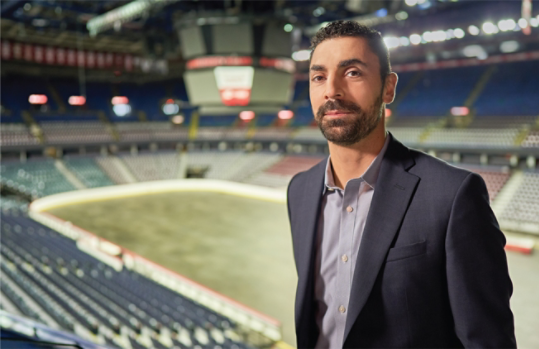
(316, 78)
(354, 73)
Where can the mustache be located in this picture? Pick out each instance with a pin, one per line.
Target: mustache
(349, 107)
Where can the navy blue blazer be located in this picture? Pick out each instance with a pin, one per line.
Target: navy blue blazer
(431, 270)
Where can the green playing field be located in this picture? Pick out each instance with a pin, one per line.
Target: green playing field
(240, 247)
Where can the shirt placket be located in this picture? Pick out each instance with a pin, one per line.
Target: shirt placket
(346, 235)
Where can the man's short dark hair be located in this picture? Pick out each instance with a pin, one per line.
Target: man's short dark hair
(374, 39)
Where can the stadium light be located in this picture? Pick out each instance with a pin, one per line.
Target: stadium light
(302, 55)
(170, 109)
(121, 109)
(119, 100)
(391, 41)
(460, 111)
(427, 36)
(247, 115)
(534, 22)
(473, 30)
(459, 33)
(415, 39)
(404, 41)
(506, 25)
(77, 100)
(411, 2)
(177, 119)
(288, 27)
(489, 28)
(523, 23)
(509, 46)
(285, 114)
(401, 16)
(37, 99)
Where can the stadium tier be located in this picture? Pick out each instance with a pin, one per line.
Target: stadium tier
(48, 278)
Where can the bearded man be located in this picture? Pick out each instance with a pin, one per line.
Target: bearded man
(393, 248)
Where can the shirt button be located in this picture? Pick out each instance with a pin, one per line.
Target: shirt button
(342, 309)
(344, 258)
(349, 209)
(331, 189)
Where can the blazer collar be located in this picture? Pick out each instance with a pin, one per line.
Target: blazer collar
(389, 204)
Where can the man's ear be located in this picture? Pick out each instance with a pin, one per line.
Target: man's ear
(390, 88)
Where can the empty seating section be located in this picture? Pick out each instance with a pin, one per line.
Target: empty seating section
(219, 164)
(438, 91)
(153, 167)
(16, 134)
(502, 121)
(76, 132)
(109, 165)
(279, 174)
(524, 205)
(217, 121)
(87, 170)
(134, 131)
(531, 140)
(495, 179)
(511, 91)
(309, 133)
(272, 133)
(495, 138)
(35, 178)
(81, 294)
(407, 135)
(211, 133)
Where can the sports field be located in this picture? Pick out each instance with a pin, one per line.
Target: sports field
(240, 247)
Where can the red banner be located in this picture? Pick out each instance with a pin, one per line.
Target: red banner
(67, 57)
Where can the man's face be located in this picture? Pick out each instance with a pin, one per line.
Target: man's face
(346, 89)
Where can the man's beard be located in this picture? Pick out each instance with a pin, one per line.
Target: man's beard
(353, 127)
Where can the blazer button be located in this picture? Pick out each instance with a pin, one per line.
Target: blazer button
(349, 209)
(342, 309)
(344, 258)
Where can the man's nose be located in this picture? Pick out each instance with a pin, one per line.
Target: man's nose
(333, 89)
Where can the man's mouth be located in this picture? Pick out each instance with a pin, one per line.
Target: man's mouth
(336, 113)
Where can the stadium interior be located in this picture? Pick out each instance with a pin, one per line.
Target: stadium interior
(98, 97)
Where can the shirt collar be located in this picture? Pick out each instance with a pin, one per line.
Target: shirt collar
(370, 176)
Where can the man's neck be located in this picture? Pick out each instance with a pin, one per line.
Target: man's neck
(352, 161)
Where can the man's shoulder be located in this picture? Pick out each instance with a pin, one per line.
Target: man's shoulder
(309, 177)
(430, 168)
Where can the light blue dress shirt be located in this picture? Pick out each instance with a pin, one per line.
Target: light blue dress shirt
(340, 228)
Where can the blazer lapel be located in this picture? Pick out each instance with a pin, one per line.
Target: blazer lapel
(394, 189)
(305, 225)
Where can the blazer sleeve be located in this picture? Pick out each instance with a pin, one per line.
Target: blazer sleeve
(478, 280)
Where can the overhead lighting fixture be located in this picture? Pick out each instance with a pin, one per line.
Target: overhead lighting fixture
(177, 119)
(77, 100)
(404, 41)
(170, 108)
(459, 33)
(506, 25)
(489, 28)
(509, 46)
(475, 51)
(460, 111)
(319, 11)
(122, 14)
(415, 39)
(288, 27)
(302, 55)
(523, 23)
(121, 109)
(534, 22)
(411, 2)
(37, 99)
(285, 114)
(401, 16)
(473, 30)
(391, 41)
(247, 115)
(119, 100)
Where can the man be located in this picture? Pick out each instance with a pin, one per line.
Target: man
(393, 248)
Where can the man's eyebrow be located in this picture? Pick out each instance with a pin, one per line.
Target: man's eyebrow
(342, 64)
(349, 62)
(318, 68)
